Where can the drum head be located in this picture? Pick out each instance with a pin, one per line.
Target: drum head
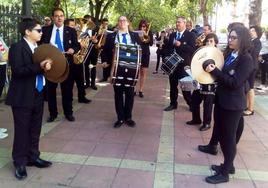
(58, 68)
(200, 56)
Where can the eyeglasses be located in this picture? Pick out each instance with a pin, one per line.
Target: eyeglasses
(38, 30)
(232, 38)
(122, 20)
(143, 26)
(58, 16)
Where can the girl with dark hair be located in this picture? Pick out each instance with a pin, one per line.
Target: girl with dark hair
(147, 41)
(230, 98)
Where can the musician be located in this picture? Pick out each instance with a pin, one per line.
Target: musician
(255, 33)
(230, 98)
(207, 29)
(123, 96)
(65, 39)
(161, 43)
(90, 73)
(211, 148)
(25, 96)
(78, 72)
(106, 68)
(147, 41)
(183, 42)
(201, 94)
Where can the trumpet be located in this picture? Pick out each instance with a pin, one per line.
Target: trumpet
(146, 37)
(200, 40)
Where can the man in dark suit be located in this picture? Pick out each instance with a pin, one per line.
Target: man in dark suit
(123, 106)
(25, 96)
(183, 42)
(65, 39)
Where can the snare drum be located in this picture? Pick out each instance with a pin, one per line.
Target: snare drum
(127, 65)
(186, 83)
(207, 89)
(171, 62)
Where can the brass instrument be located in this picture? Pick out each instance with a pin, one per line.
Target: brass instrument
(200, 40)
(85, 39)
(102, 39)
(146, 37)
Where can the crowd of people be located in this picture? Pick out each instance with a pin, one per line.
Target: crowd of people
(232, 93)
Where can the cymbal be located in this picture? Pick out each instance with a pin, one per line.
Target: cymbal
(64, 76)
(58, 68)
(200, 56)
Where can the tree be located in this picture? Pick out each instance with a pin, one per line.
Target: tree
(98, 8)
(255, 12)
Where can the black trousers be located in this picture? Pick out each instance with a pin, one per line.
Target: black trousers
(124, 101)
(79, 80)
(106, 73)
(91, 72)
(208, 100)
(27, 129)
(264, 69)
(159, 55)
(2, 77)
(227, 121)
(174, 81)
(66, 93)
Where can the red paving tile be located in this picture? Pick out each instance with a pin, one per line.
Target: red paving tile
(110, 150)
(133, 179)
(95, 177)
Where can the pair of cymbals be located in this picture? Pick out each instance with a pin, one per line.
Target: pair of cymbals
(201, 56)
(60, 69)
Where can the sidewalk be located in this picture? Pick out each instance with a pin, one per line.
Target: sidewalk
(160, 152)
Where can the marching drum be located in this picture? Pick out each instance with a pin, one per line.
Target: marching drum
(171, 62)
(207, 89)
(127, 65)
(186, 83)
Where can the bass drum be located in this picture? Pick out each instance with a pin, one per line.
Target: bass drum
(127, 65)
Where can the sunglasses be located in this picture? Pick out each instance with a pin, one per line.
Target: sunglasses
(38, 30)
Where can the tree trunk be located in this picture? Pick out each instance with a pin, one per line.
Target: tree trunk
(203, 10)
(57, 4)
(255, 12)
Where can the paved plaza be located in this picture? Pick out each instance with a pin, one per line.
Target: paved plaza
(160, 152)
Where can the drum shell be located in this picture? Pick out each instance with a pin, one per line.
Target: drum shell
(127, 65)
(170, 63)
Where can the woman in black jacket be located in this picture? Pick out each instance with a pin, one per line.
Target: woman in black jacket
(230, 97)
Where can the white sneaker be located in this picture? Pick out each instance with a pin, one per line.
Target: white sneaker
(3, 135)
(3, 130)
(260, 87)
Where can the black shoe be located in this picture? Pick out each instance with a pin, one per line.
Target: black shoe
(130, 123)
(40, 163)
(94, 87)
(86, 86)
(84, 100)
(217, 178)
(155, 72)
(192, 122)
(217, 169)
(70, 118)
(141, 94)
(118, 123)
(51, 118)
(208, 149)
(204, 127)
(20, 172)
(135, 93)
(170, 107)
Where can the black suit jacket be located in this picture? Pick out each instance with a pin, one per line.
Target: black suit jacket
(230, 92)
(256, 48)
(108, 49)
(187, 47)
(69, 39)
(23, 81)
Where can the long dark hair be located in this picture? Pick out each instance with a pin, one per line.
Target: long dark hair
(244, 41)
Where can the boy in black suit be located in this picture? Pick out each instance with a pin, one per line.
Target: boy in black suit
(25, 96)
